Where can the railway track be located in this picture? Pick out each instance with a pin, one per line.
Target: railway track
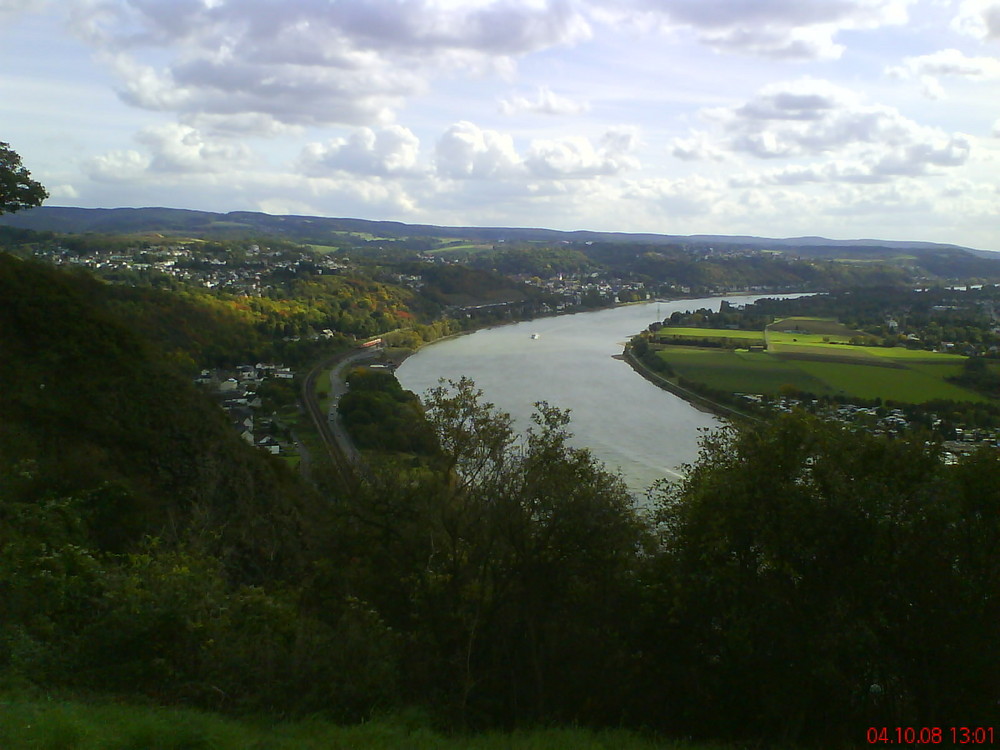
(345, 474)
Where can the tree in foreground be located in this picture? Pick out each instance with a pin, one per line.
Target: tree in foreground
(814, 581)
(17, 189)
(502, 566)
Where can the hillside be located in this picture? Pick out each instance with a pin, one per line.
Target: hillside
(92, 407)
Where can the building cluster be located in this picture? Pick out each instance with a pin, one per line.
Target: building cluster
(571, 289)
(881, 421)
(236, 392)
(249, 271)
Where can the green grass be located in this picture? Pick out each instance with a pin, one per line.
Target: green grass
(325, 249)
(712, 333)
(905, 384)
(323, 390)
(27, 724)
(738, 372)
(821, 326)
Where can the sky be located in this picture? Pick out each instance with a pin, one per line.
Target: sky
(778, 118)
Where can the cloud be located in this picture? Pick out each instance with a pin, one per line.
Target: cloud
(697, 147)
(11, 9)
(310, 62)
(117, 166)
(780, 29)
(810, 118)
(545, 102)
(181, 148)
(688, 196)
(577, 157)
(391, 151)
(170, 149)
(467, 151)
(63, 192)
(946, 62)
(978, 18)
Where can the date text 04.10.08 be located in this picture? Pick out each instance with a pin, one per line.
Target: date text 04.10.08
(930, 735)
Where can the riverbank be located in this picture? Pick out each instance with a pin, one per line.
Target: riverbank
(695, 399)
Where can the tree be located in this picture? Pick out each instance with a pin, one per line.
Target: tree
(17, 189)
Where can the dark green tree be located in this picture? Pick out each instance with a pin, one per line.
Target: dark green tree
(17, 189)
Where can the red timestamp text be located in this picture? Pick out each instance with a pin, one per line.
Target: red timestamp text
(930, 735)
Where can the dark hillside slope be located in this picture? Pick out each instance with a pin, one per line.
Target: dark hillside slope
(89, 407)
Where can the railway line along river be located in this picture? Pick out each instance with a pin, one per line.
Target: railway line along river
(568, 361)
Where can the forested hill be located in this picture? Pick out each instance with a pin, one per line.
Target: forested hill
(324, 230)
(92, 410)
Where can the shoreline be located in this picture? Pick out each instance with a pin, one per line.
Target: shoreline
(696, 400)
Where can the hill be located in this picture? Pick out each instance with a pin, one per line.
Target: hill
(317, 229)
(92, 408)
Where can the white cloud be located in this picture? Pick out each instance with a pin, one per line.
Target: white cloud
(697, 147)
(63, 192)
(780, 29)
(688, 196)
(946, 62)
(810, 118)
(979, 18)
(310, 62)
(545, 102)
(181, 148)
(391, 151)
(576, 156)
(117, 166)
(467, 151)
(246, 124)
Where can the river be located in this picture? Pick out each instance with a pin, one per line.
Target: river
(625, 421)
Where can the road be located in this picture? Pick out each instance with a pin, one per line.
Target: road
(343, 456)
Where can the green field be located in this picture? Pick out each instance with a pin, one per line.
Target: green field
(738, 372)
(823, 371)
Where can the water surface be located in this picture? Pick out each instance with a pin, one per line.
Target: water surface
(626, 421)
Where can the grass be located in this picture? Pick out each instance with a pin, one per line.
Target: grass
(36, 724)
(712, 333)
(738, 372)
(818, 326)
(323, 390)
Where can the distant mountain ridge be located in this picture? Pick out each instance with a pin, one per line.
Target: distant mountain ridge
(320, 229)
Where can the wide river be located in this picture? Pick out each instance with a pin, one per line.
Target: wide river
(626, 421)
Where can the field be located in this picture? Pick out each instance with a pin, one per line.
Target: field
(807, 354)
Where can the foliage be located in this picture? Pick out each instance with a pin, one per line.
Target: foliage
(497, 565)
(811, 581)
(380, 415)
(17, 190)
